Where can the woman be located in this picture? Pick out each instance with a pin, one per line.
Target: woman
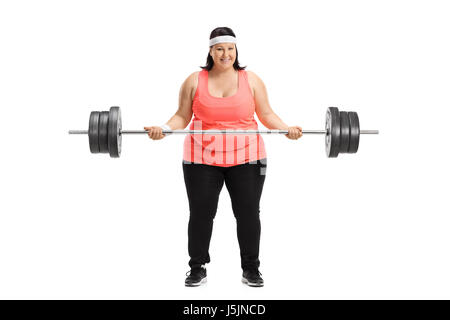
(223, 96)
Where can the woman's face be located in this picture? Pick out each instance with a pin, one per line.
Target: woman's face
(224, 55)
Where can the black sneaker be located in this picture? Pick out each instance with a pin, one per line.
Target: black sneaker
(196, 277)
(252, 278)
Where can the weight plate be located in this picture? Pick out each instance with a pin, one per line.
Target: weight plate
(114, 129)
(103, 132)
(333, 132)
(93, 131)
(354, 132)
(345, 132)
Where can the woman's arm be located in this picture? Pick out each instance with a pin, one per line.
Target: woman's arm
(265, 113)
(183, 116)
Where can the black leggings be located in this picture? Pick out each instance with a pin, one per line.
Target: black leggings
(203, 185)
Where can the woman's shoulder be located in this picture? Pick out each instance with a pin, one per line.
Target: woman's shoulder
(253, 76)
(253, 79)
(191, 83)
(192, 80)
(193, 76)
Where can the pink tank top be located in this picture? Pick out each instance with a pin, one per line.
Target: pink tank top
(228, 113)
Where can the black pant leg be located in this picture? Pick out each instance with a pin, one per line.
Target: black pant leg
(245, 184)
(203, 186)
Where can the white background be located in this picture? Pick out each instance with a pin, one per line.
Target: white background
(374, 225)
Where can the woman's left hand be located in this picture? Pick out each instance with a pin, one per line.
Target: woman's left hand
(295, 132)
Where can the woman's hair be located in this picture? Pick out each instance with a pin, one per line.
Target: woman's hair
(221, 31)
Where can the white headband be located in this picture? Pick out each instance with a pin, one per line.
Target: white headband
(221, 39)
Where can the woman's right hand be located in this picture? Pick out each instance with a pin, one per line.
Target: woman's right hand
(295, 132)
(155, 132)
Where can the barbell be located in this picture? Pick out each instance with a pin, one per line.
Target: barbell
(341, 132)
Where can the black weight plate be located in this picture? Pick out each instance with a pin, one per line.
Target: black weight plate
(333, 128)
(103, 132)
(114, 132)
(93, 131)
(354, 132)
(345, 132)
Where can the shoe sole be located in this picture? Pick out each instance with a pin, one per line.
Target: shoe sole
(252, 284)
(196, 284)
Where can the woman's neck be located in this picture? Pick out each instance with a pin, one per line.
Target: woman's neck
(222, 73)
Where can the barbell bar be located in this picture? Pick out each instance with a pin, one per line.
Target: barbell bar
(341, 132)
(223, 131)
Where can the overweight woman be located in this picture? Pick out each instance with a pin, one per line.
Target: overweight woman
(223, 95)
